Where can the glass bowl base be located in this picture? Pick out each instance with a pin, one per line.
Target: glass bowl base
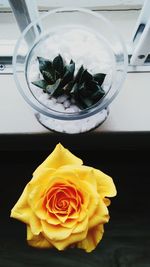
(73, 126)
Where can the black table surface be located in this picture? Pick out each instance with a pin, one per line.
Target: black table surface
(126, 241)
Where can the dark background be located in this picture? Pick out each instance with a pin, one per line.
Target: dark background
(126, 241)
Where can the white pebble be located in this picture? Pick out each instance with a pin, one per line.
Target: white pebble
(62, 98)
(59, 107)
(69, 110)
(54, 100)
(75, 108)
(49, 103)
(43, 97)
(67, 104)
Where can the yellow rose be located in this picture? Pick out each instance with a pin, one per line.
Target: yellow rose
(65, 203)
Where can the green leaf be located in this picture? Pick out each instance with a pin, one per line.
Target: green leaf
(52, 89)
(58, 65)
(98, 94)
(41, 84)
(86, 76)
(84, 102)
(44, 64)
(87, 101)
(84, 91)
(99, 77)
(74, 90)
(79, 74)
(49, 77)
(68, 76)
(68, 87)
(91, 85)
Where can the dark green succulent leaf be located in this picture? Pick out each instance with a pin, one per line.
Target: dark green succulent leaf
(41, 84)
(71, 67)
(96, 96)
(91, 85)
(58, 65)
(79, 74)
(50, 89)
(68, 75)
(44, 64)
(84, 91)
(86, 76)
(71, 61)
(48, 76)
(74, 90)
(87, 101)
(99, 77)
(84, 102)
(69, 87)
(57, 75)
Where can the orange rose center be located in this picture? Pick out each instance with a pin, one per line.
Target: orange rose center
(63, 200)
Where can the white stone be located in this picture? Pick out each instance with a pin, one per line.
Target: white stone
(49, 103)
(62, 98)
(43, 97)
(74, 108)
(59, 107)
(54, 100)
(69, 110)
(67, 104)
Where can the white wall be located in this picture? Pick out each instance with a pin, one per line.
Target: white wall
(98, 4)
(92, 3)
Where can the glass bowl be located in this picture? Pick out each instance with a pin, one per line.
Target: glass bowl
(90, 40)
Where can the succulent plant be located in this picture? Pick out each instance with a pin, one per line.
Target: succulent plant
(59, 79)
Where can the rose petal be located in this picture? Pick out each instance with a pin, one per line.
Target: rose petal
(92, 239)
(93, 198)
(83, 213)
(38, 241)
(38, 186)
(21, 210)
(71, 240)
(62, 218)
(52, 219)
(69, 223)
(81, 226)
(35, 224)
(55, 232)
(40, 212)
(107, 201)
(105, 184)
(59, 157)
(100, 216)
(74, 172)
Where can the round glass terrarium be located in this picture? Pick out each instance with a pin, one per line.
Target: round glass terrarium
(90, 41)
